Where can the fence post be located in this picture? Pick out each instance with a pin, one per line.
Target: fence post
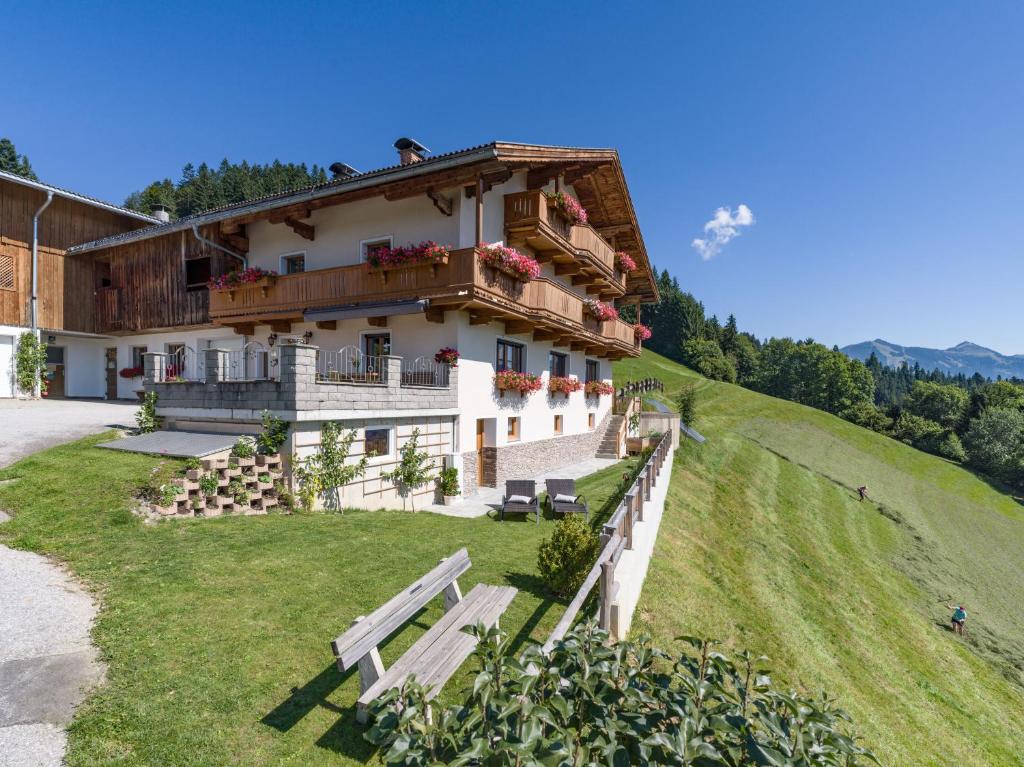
(647, 484)
(604, 618)
(629, 517)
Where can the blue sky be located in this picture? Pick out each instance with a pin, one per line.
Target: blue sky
(878, 146)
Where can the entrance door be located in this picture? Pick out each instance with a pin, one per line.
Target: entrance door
(376, 346)
(111, 363)
(479, 452)
(55, 372)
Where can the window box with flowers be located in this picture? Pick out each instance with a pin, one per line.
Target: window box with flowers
(509, 261)
(427, 253)
(569, 207)
(447, 356)
(624, 262)
(131, 372)
(641, 332)
(564, 385)
(600, 310)
(511, 380)
(252, 276)
(598, 388)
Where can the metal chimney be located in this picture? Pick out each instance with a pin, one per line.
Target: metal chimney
(161, 213)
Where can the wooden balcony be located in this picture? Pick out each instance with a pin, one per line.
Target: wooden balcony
(532, 222)
(542, 307)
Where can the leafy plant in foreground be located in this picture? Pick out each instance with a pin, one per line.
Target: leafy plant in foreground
(146, 420)
(588, 702)
(30, 363)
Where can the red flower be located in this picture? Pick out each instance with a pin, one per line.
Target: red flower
(642, 331)
(447, 356)
(238, 277)
(624, 262)
(597, 388)
(570, 207)
(601, 310)
(427, 252)
(564, 384)
(511, 380)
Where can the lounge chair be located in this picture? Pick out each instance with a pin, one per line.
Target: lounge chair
(520, 498)
(566, 488)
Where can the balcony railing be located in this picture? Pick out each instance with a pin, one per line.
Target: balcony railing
(463, 282)
(532, 219)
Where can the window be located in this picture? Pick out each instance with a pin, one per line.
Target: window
(377, 344)
(593, 371)
(54, 355)
(558, 364)
(558, 424)
(293, 263)
(137, 352)
(175, 360)
(510, 356)
(590, 421)
(378, 442)
(513, 429)
(197, 273)
(7, 273)
(366, 247)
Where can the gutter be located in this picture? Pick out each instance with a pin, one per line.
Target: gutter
(221, 248)
(35, 263)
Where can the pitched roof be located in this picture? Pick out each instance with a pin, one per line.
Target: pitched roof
(82, 198)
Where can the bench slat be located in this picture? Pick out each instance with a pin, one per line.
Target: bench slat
(436, 655)
(382, 622)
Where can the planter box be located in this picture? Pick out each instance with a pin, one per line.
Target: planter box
(212, 511)
(244, 462)
(232, 471)
(263, 283)
(383, 270)
(193, 474)
(449, 500)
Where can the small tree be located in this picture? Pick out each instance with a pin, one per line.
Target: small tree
(686, 404)
(273, 434)
(413, 469)
(327, 470)
(566, 557)
(30, 363)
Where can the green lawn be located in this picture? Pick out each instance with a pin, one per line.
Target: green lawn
(765, 546)
(216, 631)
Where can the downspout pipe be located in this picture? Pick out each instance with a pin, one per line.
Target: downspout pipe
(217, 246)
(34, 302)
(35, 264)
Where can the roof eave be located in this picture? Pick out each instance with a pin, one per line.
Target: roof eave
(69, 195)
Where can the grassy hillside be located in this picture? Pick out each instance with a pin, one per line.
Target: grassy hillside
(766, 546)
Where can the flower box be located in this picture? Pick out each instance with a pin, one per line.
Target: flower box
(510, 380)
(427, 253)
(598, 388)
(245, 462)
(641, 332)
(212, 511)
(600, 310)
(624, 262)
(509, 261)
(564, 385)
(447, 356)
(569, 207)
(252, 276)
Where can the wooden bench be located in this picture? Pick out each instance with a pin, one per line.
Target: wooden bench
(436, 655)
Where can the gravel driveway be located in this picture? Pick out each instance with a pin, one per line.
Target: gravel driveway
(47, 663)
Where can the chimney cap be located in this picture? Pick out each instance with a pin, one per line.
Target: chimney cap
(411, 143)
(342, 170)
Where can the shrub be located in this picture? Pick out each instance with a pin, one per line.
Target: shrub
(273, 434)
(192, 463)
(566, 557)
(995, 444)
(238, 492)
(168, 493)
(869, 416)
(30, 363)
(208, 484)
(590, 702)
(951, 448)
(448, 481)
(245, 447)
(146, 420)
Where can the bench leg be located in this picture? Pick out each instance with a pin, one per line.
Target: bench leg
(452, 595)
(371, 668)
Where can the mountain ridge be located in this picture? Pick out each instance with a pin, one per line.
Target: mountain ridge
(966, 357)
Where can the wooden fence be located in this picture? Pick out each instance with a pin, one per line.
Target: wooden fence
(616, 537)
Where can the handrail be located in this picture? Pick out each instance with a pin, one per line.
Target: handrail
(617, 536)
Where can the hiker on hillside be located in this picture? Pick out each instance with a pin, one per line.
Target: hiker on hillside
(862, 491)
(958, 619)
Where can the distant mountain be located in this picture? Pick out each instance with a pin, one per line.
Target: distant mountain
(966, 358)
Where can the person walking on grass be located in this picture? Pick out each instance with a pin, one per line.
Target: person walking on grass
(958, 619)
(862, 491)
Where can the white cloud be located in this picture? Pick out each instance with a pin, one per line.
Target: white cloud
(720, 229)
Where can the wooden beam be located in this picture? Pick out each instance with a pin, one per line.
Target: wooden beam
(302, 229)
(594, 289)
(230, 227)
(237, 242)
(281, 326)
(434, 314)
(544, 334)
(442, 203)
(584, 279)
(327, 325)
(480, 318)
(378, 322)
(283, 215)
(570, 268)
(479, 210)
(245, 328)
(563, 341)
(578, 346)
(611, 231)
(516, 327)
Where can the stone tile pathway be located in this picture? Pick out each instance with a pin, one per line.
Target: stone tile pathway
(488, 499)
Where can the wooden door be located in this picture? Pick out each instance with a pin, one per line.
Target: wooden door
(55, 372)
(111, 364)
(479, 452)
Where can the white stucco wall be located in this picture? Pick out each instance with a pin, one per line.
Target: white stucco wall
(8, 343)
(341, 228)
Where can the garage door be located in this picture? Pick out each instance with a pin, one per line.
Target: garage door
(6, 366)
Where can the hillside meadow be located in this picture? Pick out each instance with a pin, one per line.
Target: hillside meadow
(765, 545)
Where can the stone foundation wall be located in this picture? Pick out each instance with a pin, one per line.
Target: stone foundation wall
(529, 459)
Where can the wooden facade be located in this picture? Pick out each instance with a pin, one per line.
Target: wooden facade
(65, 284)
